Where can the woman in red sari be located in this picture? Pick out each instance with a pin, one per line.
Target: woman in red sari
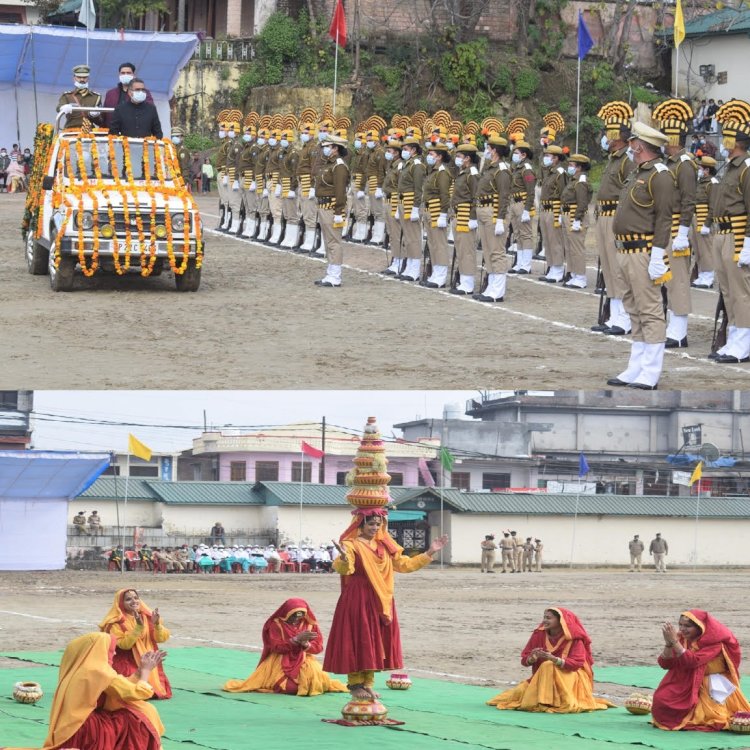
(701, 689)
(138, 630)
(562, 681)
(95, 708)
(290, 638)
(365, 636)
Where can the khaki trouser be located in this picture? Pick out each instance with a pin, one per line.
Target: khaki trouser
(274, 202)
(575, 245)
(488, 559)
(508, 560)
(678, 287)
(642, 299)
(528, 557)
(411, 235)
(264, 207)
(234, 198)
(250, 201)
(702, 244)
(394, 235)
(523, 232)
(614, 279)
(635, 561)
(437, 241)
(309, 211)
(518, 558)
(660, 562)
(493, 247)
(553, 238)
(290, 210)
(360, 205)
(738, 286)
(377, 207)
(538, 561)
(331, 237)
(465, 245)
(722, 243)
(222, 188)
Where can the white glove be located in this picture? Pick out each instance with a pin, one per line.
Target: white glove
(236, 185)
(681, 241)
(277, 191)
(311, 194)
(473, 224)
(414, 214)
(378, 192)
(499, 228)
(656, 266)
(397, 215)
(225, 180)
(442, 221)
(745, 253)
(66, 109)
(253, 186)
(265, 192)
(575, 226)
(291, 194)
(360, 194)
(94, 113)
(705, 230)
(338, 219)
(525, 217)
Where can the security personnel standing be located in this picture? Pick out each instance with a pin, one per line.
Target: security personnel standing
(259, 178)
(517, 551)
(80, 96)
(392, 157)
(642, 231)
(375, 175)
(330, 188)
(553, 184)
(731, 209)
(463, 204)
(234, 154)
(528, 555)
(507, 550)
(358, 165)
(410, 183)
(288, 162)
(184, 157)
(273, 184)
(702, 239)
(674, 116)
(488, 553)
(249, 156)
(222, 180)
(635, 547)
(523, 186)
(616, 117)
(436, 197)
(492, 202)
(308, 206)
(576, 197)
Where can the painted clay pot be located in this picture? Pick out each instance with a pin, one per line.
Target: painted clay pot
(399, 681)
(27, 692)
(638, 703)
(740, 722)
(364, 712)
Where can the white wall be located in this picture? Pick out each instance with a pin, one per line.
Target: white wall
(192, 519)
(137, 512)
(726, 53)
(319, 525)
(33, 534)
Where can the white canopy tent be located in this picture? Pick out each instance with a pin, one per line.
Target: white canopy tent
(36, 66)
(35, 487)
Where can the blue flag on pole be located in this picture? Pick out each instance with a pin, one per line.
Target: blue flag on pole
(585, 42)
(583, 466)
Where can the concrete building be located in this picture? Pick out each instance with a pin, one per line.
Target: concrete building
(15, 419)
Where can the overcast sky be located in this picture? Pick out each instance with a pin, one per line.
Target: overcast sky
(152, 416)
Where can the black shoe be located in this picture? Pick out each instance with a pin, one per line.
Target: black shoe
(388, 272)
(512, 270)
(404, 277)
(617, 381)
(550, 281)
(675, 344)
(713, 355)
(456, 290)
(642, 386)
(522, 271)
(485, 298)
(600, 327)
(615, 331)
(490, 571)
(729, 359)
(695, 285)
(433, 285)
(599, 290)
(322, 282)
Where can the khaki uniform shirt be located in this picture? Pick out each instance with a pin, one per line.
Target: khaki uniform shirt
(636, 546)
(307, 153)
(332, 183)
(436, 191)
(576, 197)
(731, 197)
(523, 184)
(684, 169)
(495, 184)
(358, 167)
(288, 161)
(376, 168)
(465, 190)
(410, 181)
(615, 175)
(80, 98)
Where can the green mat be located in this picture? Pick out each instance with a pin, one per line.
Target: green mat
(437, 714)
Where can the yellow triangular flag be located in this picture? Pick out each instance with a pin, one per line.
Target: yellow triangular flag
(697, 473)
(679, 25)
(137, 448)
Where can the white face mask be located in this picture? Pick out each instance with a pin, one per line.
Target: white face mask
(305, 137)
(284, 143)
(357, 143)
(630, 153)
(547, 161)
(517, 158)
(261, 141)
(231, 134)
(459, 162)
(571, 170)
(177, 140)
(724, 152)
(247, 137)
(450, 145)
(327, 151)
(222, 134)
(389, 155)
(371, 144)
(487, 154)
(125, 78)
(80, 86)
(604, 143)
(272, 141)
(138, 96)
(701, 173)
(322, 135)
(405, 154)
(430, 159)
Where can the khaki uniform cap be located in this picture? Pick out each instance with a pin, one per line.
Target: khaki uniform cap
(707, 161)
(648, 134)
(579, 159)
(497, 140)
(554, 150)
(81, 70)
(466, 148)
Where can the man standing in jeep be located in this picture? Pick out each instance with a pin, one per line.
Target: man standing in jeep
(136, 118)
(80, 96)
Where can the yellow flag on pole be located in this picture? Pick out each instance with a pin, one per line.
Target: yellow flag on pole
(137, 448)
(679, 25)
(697, 473)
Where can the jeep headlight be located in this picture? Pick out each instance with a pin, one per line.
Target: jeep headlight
(178, 222)
(160, 231)
(84, 219)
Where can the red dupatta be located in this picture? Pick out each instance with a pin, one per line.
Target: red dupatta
(277, 631)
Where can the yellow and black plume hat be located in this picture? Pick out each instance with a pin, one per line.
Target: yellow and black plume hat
(616, 116)
(674, 117)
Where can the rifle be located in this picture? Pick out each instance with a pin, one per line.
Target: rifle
(719, 337)
(664, 300)
(509, 243)
(453, 275)
(539, 253)
(426, 264)
(599, 286)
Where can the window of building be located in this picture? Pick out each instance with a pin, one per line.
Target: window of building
(111, 471)
(267, 471)
(144, 471)
(492, 481)
(237, 471)
(397, 479)
(306, 471)
(422, 483)
(197, 472)
(341, 478)
(460, 480)
(9, 400)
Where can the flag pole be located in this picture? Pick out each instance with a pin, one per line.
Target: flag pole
(575, 523)
(335, 69)
(301, 474)
(442, 484)
(578, 102)
(697, 513)
(124, 511)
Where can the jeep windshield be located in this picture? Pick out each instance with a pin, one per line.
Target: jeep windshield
(115, 159)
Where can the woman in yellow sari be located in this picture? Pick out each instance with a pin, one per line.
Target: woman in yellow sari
(290, 638)
(138, 630)
(95, 708)
(562, 682)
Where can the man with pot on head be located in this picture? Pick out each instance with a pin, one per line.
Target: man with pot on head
(330, 188)
(642, 231)
(80, 96)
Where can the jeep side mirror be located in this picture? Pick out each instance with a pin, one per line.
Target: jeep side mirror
(48, 182)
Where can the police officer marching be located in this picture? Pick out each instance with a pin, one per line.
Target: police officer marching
(249, 187)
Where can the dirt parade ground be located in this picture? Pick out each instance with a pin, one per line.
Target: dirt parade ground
(258, 321)
(456, 624)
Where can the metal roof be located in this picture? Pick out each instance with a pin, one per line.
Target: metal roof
(724, 21)
(207, 493)
(108, 488)
(288, 493)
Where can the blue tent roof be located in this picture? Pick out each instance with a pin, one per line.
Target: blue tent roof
(48, 474)
(685, 459)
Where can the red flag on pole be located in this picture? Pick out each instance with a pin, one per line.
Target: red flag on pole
(311, 451)
(337, 32)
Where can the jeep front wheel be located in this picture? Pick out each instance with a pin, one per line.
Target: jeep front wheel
(190, 280)
(61, 278)
(36, 256)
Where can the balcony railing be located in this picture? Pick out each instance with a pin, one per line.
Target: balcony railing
(231, 50)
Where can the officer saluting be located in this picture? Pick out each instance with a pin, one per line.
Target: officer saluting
(80, 96)
(642, 227)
